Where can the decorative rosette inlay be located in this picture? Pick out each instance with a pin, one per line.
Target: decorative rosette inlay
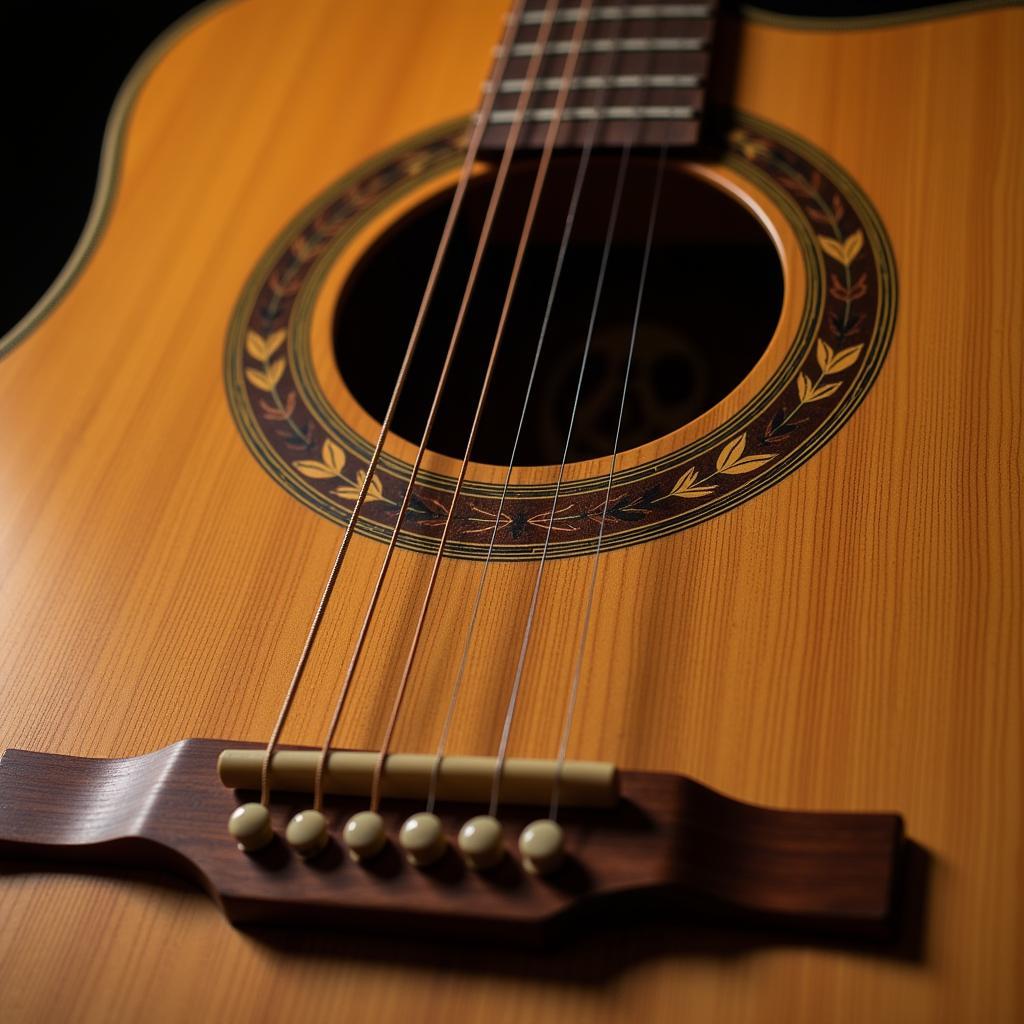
(832, 361)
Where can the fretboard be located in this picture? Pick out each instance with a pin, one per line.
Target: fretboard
(639, 76)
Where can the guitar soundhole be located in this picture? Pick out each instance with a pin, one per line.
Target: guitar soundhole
(713, 297)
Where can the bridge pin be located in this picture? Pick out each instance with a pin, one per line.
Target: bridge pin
(542, 846)
(250, 827)
(481, 841)
(364, 835)
(307, 833)
(422, 839)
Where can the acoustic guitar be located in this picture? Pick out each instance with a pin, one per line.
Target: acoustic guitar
(512, 512)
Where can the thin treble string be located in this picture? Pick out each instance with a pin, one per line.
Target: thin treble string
(496, 193)
(510, 713)
(577, 189)
(550, 137)
(518, 678)
(578, 670)
(490, 93)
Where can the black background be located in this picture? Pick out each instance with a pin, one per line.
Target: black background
(61, 67)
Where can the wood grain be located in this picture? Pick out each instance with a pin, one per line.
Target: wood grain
(850, 639)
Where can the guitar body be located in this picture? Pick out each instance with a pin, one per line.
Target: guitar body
(848, 638)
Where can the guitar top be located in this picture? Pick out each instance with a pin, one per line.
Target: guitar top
(512, 511)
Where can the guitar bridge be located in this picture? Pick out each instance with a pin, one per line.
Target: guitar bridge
(658, 840)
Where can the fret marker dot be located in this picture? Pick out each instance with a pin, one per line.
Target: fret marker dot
(250, 827)
(307, 833)
(422, 839)
(481, 841)
(542, 846)
(364, 835)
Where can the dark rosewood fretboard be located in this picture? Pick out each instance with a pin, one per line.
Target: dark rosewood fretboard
(640, 76)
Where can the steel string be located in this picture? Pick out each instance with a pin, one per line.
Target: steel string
(496, 193)
(477, 601)
(577, 190)
(527, 633)
(550, 138)
(578, 669)
(535, 595)
(489, 92)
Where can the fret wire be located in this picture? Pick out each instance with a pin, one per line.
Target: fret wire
(558, 47)
(625, 12)
(616, 113)
(604, 82)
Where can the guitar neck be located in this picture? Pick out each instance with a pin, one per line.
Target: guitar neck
(638, 75)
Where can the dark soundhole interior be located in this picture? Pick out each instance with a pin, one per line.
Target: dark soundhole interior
(711, 302)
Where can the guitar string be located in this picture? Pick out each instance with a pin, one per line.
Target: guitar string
(521, 662)
(550, 137)
(489, 95)
(577, 189)
(577, 676)
(496, 194)
(535, 596)
(581, 650)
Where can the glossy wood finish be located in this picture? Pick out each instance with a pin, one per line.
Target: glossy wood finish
(850, 639)
(667, 841)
